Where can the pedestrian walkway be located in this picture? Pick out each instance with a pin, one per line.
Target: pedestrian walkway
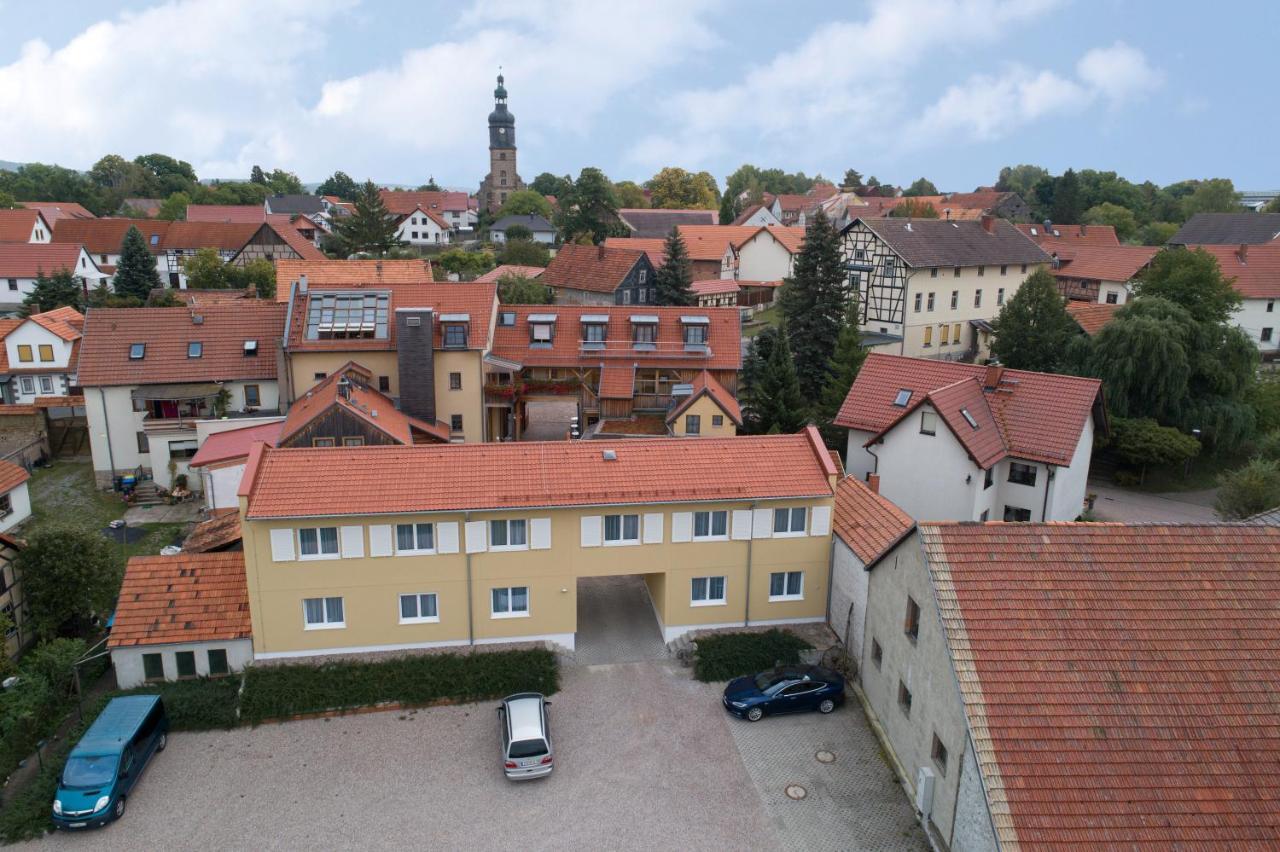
(616, 623)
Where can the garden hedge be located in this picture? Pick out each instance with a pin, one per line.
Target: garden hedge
(724, 656)
(33, 708)
(196, 705)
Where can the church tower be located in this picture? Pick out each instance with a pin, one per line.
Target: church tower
(503, 179)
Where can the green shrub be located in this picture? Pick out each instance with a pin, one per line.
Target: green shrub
(273, 692)
(196, 705)
(32, 709)
(724, 656)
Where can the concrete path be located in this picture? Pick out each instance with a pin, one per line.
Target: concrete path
(179, 513)
(1137, 507)
(548, 420)
(616, 623)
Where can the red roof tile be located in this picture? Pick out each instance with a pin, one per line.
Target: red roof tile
(382, 480)
(714, 287)
(724, 335)
(55, 210)
(475, 300)
(1100, 263)
(403, 201)
(65, 322)
(226, 213)
(433, 215)
(362, 402)
(27, 260)
(235, 443)
(1091, 316)
(16, 226)
(190, 597)
(1120, 682)
(1040, 415)
(655, 249)
(293, 238)
(58, 401)
(218, 533)
(1257, 275)
(349, 273)
(867, 522)
(705, 384)
(109, 332)
(596, 269)
(11, 476)
(617, 381)
(1074, 235)
(511, 269)
(6, 326)
(105, 236)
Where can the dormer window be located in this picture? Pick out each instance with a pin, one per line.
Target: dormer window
(644, 330)
(137, 351)
(195, 349)
(455, 336)
(594, 333)
(155, 239)
(694, 329)
(250, 348)
(347, 316)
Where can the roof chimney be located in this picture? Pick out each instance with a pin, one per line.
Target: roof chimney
(600, 251)
(302, 283)
(988, 223)
(1084, 229)
(992, 379)
(1243, 252)
(873, 482)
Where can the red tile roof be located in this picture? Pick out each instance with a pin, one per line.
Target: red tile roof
(511, 269)
(16, 225)
(235, 443)
(867, 522)
(383, 480)
(292, 237)
(724, 335)
(362, 402)
(747, 212)
(1120, 682)
(348, 273)
(6, 326)
(1257, 276)
(66, 322)
(226, 213)
(58, 401)
(190, 597)
(710, 242)
(429, 213)
(105, 236)
(1091, 316)
(617, 381)
(982, 439)
(403, 201)
(224, 236)
(705, 384)
(55, 210)
(1039, 415)
(218, 533)
(27, 260)
(714, 287)
(1100, 263)
(596, 269)
(11, 476)
(653, 248)
(791, 239)
(475, 300)
(1075, 235)
(109, 332)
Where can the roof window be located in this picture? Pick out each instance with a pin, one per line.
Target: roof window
(137, 351)
(335, 316)
(250, 348)
(195, 349)
(903, 397)
(507, 318)
(968, 418)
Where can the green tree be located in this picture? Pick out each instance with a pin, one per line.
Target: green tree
(731, 208)
(1033, 328)
(1021, 179)
(258, 176)
(853, 181)
(174, 208)
(526, 202)
(1120, 218)
(519, 290)
(589, 210)
(1273, 206)
(813, 304)
(771, 396)
(846, 361)
(8, 202)
(1066, 207)
(281, 182)
(69, 576)
(340, 185)
(1156, 233)
(170, 175)
(370, 228)
(465, 264)
(518, 232)
(136, 274)
(914, 208)
(549, 184)
(205, 270)
(673, 281)
(630, 195)
(921, 186)
(1264, 398)
(61, 289)
(1144, 442)
(1216, 195)
(256, 275)
(102, 297)
(674, 188)
(523, 252)
(1248, 490)
(1190, 278)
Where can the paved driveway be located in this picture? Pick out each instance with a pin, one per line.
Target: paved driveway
(616, 623)
(646, 759)
(1138, 507)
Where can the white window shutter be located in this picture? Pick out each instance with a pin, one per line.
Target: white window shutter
(475, 533)
(653, 528)
(591, 530)
(352, 542)
(282, 546)
(681, 526)
(380, 540)
(741, 524)
(540, 534)
(762, 524)
(821, 520)
(447, 537)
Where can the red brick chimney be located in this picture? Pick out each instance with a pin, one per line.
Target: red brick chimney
(1243, 252)
(992, 380)
(600, 251)
(873, 482)
(1084, 229)
(988, 223)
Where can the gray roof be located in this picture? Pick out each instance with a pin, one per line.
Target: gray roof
(1227, 229)
(924, 243)
(1270, 518)
(532, 221)
(301, 204)
(658, 223)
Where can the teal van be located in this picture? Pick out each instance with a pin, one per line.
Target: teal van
(108, 761)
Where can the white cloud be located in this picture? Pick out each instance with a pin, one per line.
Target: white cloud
(1119, 72)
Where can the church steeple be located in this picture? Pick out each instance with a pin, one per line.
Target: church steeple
(503, 178)
(502, 124)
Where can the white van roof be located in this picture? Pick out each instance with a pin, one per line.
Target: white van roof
(525, 715)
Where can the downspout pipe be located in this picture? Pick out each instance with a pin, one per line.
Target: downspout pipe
(106, 424)
(746, 612)
(471, 632)
(1048, 482)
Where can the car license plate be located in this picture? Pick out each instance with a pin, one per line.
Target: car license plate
(79, 824)
(530, 762)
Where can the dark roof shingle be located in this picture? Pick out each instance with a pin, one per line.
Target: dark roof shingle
(939, 242)
(1227, 229)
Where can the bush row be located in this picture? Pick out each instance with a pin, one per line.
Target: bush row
(273, 692)
(32, 709)
(196, 705)
(724, 656)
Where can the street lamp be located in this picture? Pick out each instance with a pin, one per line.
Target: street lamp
(1186, 467)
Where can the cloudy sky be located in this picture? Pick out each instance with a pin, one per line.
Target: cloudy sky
(948, 89)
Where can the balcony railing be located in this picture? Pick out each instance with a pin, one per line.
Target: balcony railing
(652, 401)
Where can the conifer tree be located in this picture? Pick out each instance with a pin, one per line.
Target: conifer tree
(771, 392)
(673, 281)
(370, 228)
(846, 361)
(136, 274)
(61, 289)
(813, 305)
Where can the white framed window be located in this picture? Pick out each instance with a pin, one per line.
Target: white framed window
(318, 542)
(323, 613)
(420, 608)
(46, 385)
(621, 529)
(707, 591)
(711, 525)
(786, 586)
(28, 385)
(509, 535)
(789, 521)
(415, 538)
(509, 602)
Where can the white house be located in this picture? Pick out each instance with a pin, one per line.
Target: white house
(22, 263)
(759, 215)
(1256, 270)
(458, 209)
(224, 451)
(767, 254)
(15, 499)
(423, 227)
(952, 441)
(24, 226)
(543, 231)
(41, 355)
(151, 375)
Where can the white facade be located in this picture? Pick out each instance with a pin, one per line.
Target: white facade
(762, 216)
(129, 665)
(1113, 293)
(14, 289)
(1260, 319)
(941, 302)
(40, 230)
(419, 229)
(39, 363)
(545, 237)
(760, 258)
(18, 509)
(848, 614)
(219, 484)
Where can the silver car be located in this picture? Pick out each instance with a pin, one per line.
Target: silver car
(526, 736)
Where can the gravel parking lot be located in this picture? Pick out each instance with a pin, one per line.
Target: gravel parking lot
(645, 759)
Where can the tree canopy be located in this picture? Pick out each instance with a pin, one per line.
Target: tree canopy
(61, 289)
(914, 208)
(136, 274)
(921, 186)
(69, 576)
(1033, 328)
(519, 290)
(369, 229)
(1216, 195)
(526, 202)
(675, 189)
(1119, 218)
(339, 184)
(672, 281)
(589, 209)
(771, 397)
(1248, 490)
(813, 304)
(846, 361)
(523, 252)
(630, 195)
(553, 185)
(1190, 278)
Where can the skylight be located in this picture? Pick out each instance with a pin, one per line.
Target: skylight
(137, 351)
(332, 316)
(195, 349)
(903, 397)
(968, 418)
(250, 348)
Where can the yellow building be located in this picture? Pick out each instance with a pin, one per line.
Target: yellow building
(390, 548)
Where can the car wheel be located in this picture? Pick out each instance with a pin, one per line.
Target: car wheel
(119, 808)
(164, 741)
(754, 714)
(826, 706)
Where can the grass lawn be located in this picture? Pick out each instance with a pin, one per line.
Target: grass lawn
(65, 494)
(765, 319)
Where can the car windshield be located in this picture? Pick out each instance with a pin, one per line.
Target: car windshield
(89, 771)
(527, 748)
(764, 680)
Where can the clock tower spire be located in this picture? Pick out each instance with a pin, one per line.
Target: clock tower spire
(503, 178)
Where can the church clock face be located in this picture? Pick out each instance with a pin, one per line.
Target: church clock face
(502, 131)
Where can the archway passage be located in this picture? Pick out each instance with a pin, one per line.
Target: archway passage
(616, 622)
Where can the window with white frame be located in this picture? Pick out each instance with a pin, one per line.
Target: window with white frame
(508, 534)
(323, 613)
(46, 385)
(28, 385)
(786, 586)
(789, 521)
(415, 538)
(318, 542)
(707, 591)
(419, 608)
(510, 602)
(621, 529)
(711, 524)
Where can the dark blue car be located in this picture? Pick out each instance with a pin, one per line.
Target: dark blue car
(789, 689)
